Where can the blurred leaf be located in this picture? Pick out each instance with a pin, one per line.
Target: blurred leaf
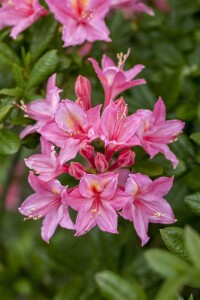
(4, 111)
(170, 287)
(8, 55)
(43, 34)
(15, 92)
(193, 201)
(168, 54)
(166, 264)
(192, 243)
(114, 287)
(191, 297)
(192, 178)
(71, 291)
(9, 142)
(173, 238)
(195, 137)
(149, 168)
(43, 68)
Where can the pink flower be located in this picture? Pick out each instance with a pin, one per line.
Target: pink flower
(155, 132)
(113, 79)
(117, 129)
(46, 165)
(42, 110)
(20, 14)
(146, 203)
(83, 92)
(94, 201)
(81, 19)
(50, 202)
(73, 127)
(131, 6)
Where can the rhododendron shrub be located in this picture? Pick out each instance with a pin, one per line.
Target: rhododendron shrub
(76, 127)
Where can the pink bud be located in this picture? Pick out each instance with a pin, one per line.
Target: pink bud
(101, 163)
(83, 92)
(87, 151)
(126, 158)
(76, 170)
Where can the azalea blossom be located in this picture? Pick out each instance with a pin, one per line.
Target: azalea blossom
(155, 132)
(113, 78)
(117, 129)
(94, 200)
(49, 202)
(20, 14)
(46, 164)
(73, 127)
(42, 110)
(131, 6)
(82, 20)
(146, 204)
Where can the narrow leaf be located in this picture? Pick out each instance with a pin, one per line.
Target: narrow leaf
(193, 201)
(43, 68)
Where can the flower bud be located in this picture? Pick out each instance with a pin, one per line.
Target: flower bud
(76, 170)
(83, 92)
(101, 163)
(126, 158)
(87, 151)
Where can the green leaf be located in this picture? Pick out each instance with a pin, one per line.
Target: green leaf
(165, 263)
(15, 92)
(9, 142)
(8, 55)
(170, 287)
(193, 201)
(192, 243)
(192, 178)
(44, 32)
(173, 238)
(149, 168)
(31, 141)
(191, 297)
(43, 68)
(114, 287)
(4, 111)
(195, 137)
(18, 76)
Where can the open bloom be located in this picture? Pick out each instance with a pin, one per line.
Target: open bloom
(81, 19)
(113, 78)
(42, 110)
(49, 202)
(20, 14)
(73, 127)
(155, 132)
(146, 203)
(46, 164)
(131, 6)
(117, 129)
(94, 200)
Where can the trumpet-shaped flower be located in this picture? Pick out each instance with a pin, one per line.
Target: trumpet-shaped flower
(113, 78)
(94, 200)
(42, 110)
(72, 128)
(81, 19)
(146, 203)
(155, 132)
(49, 202)
(117, 129)
(20, 14)
(47, 164)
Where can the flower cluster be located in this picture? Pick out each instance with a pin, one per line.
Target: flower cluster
(82, 20)
(104, 139)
